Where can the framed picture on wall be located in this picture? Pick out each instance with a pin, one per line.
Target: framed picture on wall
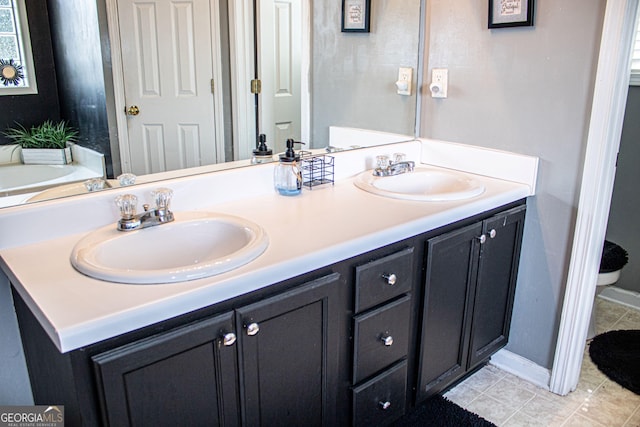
(356, 15)
(511, 13)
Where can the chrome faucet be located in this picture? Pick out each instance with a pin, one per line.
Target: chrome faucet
(160, 215)
(397, 166)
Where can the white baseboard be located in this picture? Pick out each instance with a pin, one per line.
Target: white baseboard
(621, 296)
(522, 368)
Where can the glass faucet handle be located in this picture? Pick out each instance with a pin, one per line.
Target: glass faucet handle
(162, 196)
(94, 184)
(382, 161)
(126, 179)
(127, 203)
(399, 157)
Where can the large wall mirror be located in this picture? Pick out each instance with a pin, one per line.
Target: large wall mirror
(159, 86)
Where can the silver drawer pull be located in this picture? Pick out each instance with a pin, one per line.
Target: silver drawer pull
(384, 405)
(492, 233)
(390, 278)
(387, 340)
(229, 339)
(482, 239)
(253, 329)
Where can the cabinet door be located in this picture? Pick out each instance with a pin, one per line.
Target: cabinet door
(187, 376)
(289, 356)
(450, 281)
(497, 274)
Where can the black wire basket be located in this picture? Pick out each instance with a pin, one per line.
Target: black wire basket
(317, 170)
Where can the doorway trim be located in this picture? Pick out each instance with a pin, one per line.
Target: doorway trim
(242, 65)
(603, 140)
(113, 25)
(241, 27)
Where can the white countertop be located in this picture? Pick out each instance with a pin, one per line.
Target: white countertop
(321, 226)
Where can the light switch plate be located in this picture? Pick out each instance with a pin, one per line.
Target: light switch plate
(439, 82)
(405, 74)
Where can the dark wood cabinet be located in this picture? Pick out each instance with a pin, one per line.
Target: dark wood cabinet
(187, 376)
(281, 368)
(357, 342)
(382, 399)
(381, 337)
(290, 353)
(382, 327)
(496, 285)
(449, 276)
(470, 277)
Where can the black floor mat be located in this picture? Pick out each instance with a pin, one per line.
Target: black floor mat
(617, 355)
(437, 411)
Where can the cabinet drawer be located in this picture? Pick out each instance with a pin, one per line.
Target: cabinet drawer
(382, 400)
(382, 279)
(381, 337)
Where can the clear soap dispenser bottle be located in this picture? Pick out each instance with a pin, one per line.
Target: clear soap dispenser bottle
(262, 153)
(287, 177)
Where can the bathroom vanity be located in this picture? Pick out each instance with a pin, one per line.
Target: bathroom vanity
(361, 307)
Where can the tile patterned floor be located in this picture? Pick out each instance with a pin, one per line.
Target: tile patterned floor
(509, 401)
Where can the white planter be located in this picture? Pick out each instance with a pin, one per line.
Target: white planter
(46, 156)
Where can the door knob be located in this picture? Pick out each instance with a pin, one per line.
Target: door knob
(132, 111)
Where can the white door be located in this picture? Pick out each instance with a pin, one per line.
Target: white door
(169, 56)
(279, 69)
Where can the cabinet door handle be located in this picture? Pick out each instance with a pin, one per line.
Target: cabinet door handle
(390, 278)
(492, 233)
(384, 405)
(482, 238)
(229, 339)
(387, 340)
(253, 329)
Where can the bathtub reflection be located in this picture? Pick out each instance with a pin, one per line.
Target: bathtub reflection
(18, 177)
(20, 182)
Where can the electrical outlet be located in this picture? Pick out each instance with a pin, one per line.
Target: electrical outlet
(439, 82)
(405, 77)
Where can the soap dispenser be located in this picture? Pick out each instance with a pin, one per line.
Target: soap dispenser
(262, 154)
(287, 176)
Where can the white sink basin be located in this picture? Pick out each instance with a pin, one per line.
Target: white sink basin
(195, 245)
(423, 184)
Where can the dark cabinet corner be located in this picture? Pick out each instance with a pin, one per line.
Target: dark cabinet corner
(470, 279)
(187, 376)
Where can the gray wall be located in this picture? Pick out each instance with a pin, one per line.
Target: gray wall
(623, 227)
(526, 90)
(354, 74)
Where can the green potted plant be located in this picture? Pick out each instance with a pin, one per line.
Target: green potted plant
(45, 144)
